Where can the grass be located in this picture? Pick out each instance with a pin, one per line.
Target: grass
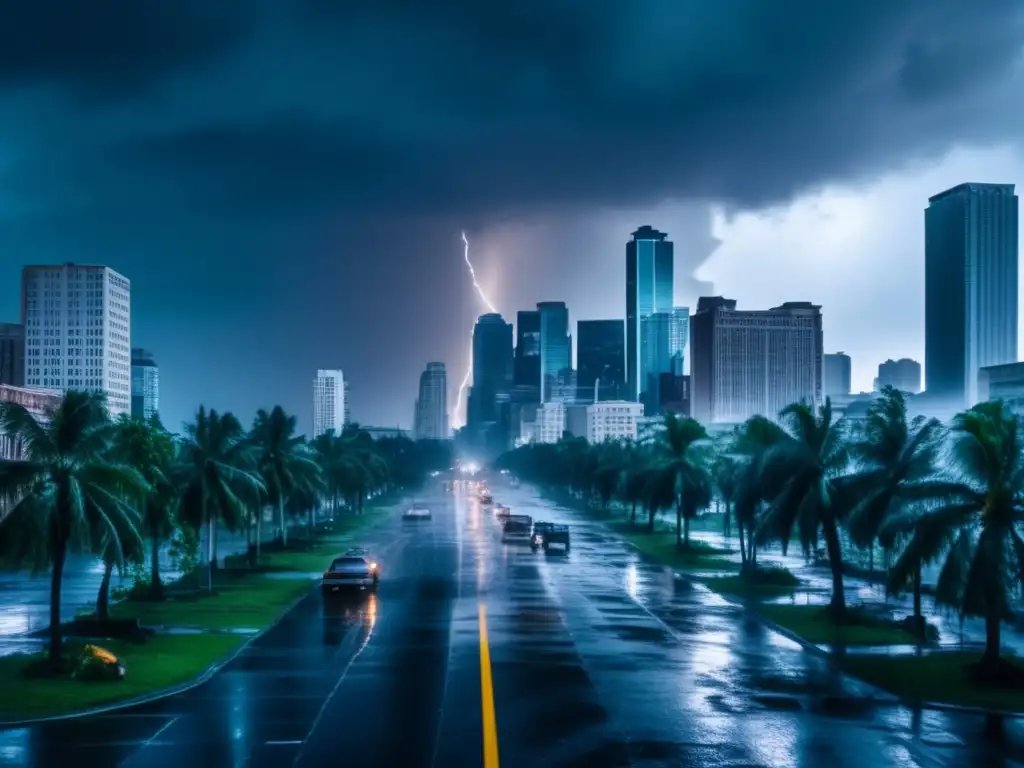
(813, 624)
(251, 602)
(938, 677)
(162, 662)
(745, 587)
(661, 547)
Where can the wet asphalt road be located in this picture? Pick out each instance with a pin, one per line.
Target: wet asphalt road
(595, 659)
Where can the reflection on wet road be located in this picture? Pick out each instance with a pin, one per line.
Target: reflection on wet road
(591, 659)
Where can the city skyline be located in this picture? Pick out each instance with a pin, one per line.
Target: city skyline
(235, 206)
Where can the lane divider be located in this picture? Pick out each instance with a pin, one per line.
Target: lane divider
(487, 696)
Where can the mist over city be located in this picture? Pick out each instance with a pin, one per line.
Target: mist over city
(539, 384)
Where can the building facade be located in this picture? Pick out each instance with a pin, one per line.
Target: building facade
(12, 354)
(971, 286)
(613, 420)
(903, 374)
(747, 363)
(555, 351)
(328, 401)
(37, 402)
(1003, 382)
(432, 404)
(550, 422)
(679, 339)
(77, 323)
(649, 289)
(838, 375)
(145, 385)
(526, 368)
(600, 360)
(492, 368)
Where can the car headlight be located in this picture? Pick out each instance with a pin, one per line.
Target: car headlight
(373, 566)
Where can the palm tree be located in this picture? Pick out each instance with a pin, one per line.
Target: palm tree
(65, 491)
(754, 487)
(893, 453)
(683, 452)
(116, 551)
(283, 459)
(216, 473)
(150, 450)
(971, 524)
(809, 468)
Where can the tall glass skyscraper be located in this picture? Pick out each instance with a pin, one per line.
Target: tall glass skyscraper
(145, 384)
(555, 349)
(600, 359)
(492, 367)
(527, 360)
(649, 290)
(971, 284)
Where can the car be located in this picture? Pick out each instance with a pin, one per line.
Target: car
(485, 498)
(517, 529)
(416, 514)
(502, 512)
(350, 572)
(547, 535)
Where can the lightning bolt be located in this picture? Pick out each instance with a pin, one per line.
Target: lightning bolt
(489, 305)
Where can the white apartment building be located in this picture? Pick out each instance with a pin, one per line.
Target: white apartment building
(550, 424)
(78, 331)
(613, 420)
(328, 402)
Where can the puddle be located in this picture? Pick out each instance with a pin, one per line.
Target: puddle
(202, 631)
(291, 575)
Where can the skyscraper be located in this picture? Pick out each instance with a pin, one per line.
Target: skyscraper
(78, 331)
(492, 368)
(971, 284)
(348, 404)
(145, 385)
(837, 375)
(432, 404)
(527, 358)
(746, 363)
(328, 402)
(555, 351)
(600, 359)
(679, 339)
(903, 374)
(12, 354)
(649, 289)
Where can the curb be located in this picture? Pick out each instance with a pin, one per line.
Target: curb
(883, 696)
(163, 693)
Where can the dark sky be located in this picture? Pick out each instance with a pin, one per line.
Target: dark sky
(284, 181)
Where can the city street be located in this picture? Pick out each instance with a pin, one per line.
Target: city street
(472, 650)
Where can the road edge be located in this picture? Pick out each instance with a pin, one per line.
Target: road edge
(202, 678)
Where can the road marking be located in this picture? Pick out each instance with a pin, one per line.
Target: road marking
(487, 696)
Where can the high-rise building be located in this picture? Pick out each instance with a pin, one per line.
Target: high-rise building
(679, 338)
(348, 404)
(837, 375)
(971, 285)
(492, 368)
(656, 352)
(600, 360)
(747, 362)
(328, 402)
(903, 374)
(145, 385)
(78, 331)
(432, 404)
(12, 354)
(649, 290)
(550, 422)
(527, 358)
(555, 351)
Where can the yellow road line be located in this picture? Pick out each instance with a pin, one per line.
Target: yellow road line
(487, 696)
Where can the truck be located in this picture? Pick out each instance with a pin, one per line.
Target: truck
(517, 528)
(547, 534)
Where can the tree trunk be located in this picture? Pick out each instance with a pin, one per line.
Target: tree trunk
(213, 543)
(835, 561)
(280, 520)
(651, 513)
(743, 548)
(156, 587)
(103, 598)
(632, 516)
(60, 545)
(992, 639)
(727, 523)
(679, 525)
(917, 592)
(686, 531)
(259, 532)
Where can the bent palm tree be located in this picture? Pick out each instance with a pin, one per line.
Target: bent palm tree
(809, 468)
(65, 492)
(216, 474)
(283, 460)
(972, 524)
(683, 452)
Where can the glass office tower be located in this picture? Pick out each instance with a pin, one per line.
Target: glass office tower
(555, 349)
(600, 360)
(649, 290)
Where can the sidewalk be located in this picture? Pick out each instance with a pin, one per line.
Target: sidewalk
(817, 589)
